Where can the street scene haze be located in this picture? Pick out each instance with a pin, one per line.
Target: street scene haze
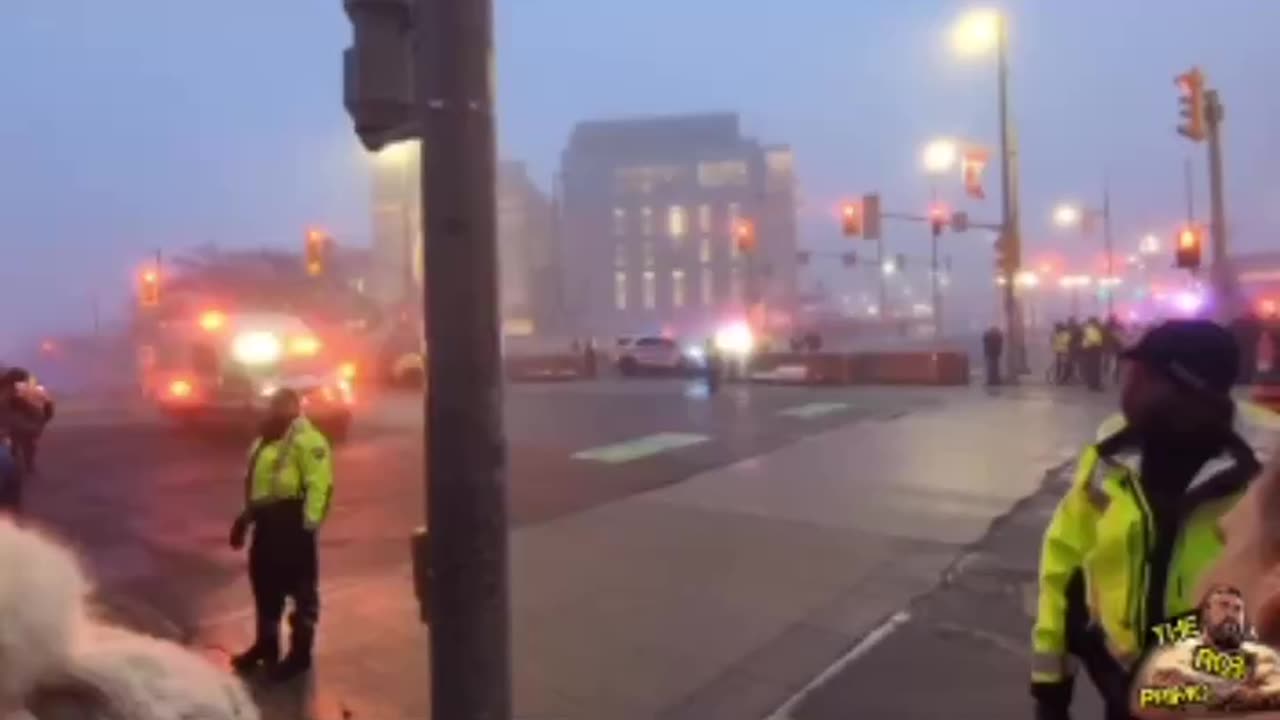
(573, 360)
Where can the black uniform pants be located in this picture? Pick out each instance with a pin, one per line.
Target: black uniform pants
(283, 565)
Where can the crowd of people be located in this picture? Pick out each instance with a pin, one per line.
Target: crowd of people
(1087, 352)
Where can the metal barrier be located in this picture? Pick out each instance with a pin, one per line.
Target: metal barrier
(872, 368)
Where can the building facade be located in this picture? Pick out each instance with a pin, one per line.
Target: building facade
(528, 280)
(649, 209)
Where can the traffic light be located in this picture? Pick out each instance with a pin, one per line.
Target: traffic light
(1007, 260)
(871, 216)
(1191, 104)
(378, 78)
(851, 219)
(316, 250)
(744, 236)
(1190, 247)
(937, 219)
(149, 287)
(972, 164)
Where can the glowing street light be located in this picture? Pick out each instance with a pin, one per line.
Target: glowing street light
(888, 268)
(1067, 215)
(940, 156)
(1150, 245)
(1026, 279)
(977, 32)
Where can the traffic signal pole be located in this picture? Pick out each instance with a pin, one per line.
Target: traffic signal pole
(1015, 358)
(466, 455)
(1223, 280)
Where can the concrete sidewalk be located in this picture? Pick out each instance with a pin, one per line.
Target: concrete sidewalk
(720, 597)
(966, 642)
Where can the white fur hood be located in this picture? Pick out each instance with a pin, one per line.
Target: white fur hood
(56, 661)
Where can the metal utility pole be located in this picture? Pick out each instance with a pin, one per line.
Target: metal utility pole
(882, 280)
(1016, 356)
(1190, 192)
(935, 229)
(1222, 277)
(466, 453)
(1108, 246)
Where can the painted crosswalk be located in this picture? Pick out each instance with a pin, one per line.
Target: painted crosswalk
(814, 410)
(641, 447)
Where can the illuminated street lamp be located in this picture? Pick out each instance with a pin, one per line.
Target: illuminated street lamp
(1071, 215)
(1150, 245)
(1067, 215)
(1026, 279)
(979, 32)
(940, 156)
(888, 268)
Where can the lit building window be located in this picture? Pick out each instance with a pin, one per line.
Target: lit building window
(650, 290)
(704, 250)
(648, 254)
(728, 173)
(704, 218)
(620, 255)
(620, 290)
(619, 221)
(708, 287)
(677, 288)
(677, 222)
(646, 221)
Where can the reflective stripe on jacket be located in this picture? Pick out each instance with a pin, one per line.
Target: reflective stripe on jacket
(1092, 336)
(298, 466)
(1104, 528)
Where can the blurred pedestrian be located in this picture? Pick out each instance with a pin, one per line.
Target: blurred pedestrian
(1247, 330)
(287, 492)
(713, 363)
(992, 348)
(31, 400)
(1144, 510)
(19, 422)
(1061, 342)
(1112, 345)
(60, 661)
(589, 358)
(1091, 345)
(1075, 350)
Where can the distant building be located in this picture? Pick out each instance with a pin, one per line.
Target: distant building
(528, 281)
(528, 278)
(646, 224)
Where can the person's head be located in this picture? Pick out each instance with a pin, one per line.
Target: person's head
(1222, 617)
(1179, 381)
(285, 404)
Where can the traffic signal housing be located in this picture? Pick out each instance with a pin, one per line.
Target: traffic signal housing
(377, 70)
(149, 287)
(851, 219)
(937, 219)
(317, 245)
(744, 236)
(1191, 104)
(1189, 248)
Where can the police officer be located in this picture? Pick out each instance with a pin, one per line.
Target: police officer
(287, 491)
(1091, 345)
(1139, 525)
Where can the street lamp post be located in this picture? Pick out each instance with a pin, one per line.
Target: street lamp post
(1072, 216)
(977, 32)
(939, 158)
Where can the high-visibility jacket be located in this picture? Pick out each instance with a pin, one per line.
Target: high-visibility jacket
(1134, 576)
(1062, 342)
(1092, 336)
(298, 466)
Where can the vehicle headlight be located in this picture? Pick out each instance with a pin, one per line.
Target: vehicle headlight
(256, 348)
(695, 352)
(735, 339)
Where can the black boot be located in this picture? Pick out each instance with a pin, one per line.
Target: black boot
(298, 661)
(264, 653)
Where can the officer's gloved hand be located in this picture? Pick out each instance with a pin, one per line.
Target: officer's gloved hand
(239, 531)
(1053, 700)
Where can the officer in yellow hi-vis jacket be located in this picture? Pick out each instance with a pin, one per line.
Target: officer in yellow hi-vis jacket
(288, 487)
(1129, 542)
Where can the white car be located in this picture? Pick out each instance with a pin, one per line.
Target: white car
(654, 355)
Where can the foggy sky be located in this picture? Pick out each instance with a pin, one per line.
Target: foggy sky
(136, 124)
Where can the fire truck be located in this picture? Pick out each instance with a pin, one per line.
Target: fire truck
(215, 367)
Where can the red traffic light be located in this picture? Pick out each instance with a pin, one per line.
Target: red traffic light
(1187, 239)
